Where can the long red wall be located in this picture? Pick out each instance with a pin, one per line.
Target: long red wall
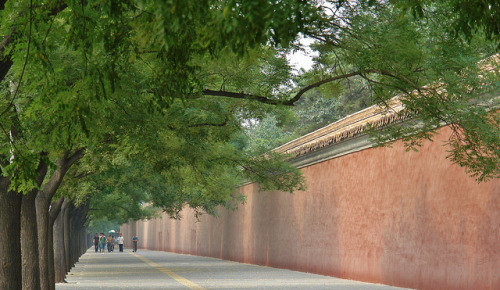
(379, 215)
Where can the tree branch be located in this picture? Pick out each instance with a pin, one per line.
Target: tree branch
(6, 62)
(76, 156)
(322, 82)
(55, 209)
(290, 102)
(83, 175)
(63, 165)
(41, 170)
(242, 95)
(210, 124)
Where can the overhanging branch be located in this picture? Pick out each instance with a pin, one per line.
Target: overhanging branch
(73, 158)
(301, 92)
(242, 95)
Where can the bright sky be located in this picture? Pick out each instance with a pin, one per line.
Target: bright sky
(302, 59)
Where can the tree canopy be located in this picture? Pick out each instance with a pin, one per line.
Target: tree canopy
(158, 95)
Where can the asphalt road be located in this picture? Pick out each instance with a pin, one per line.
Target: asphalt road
(162, 270)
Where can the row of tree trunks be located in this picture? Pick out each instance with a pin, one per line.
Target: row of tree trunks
(43, 201)
(26, 240)
(78, 233)
(69, 238)
(66, 241)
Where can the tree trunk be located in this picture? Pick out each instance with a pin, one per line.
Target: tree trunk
(55, 210)
(29, 242)
(85, 243)
(58, 247)
(42, 213)
(50, 265)
(29, 235)
(73, 235)
(10, 243)
(66, 231)
(78, 241)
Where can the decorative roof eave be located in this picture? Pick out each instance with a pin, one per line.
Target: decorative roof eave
(349, 127)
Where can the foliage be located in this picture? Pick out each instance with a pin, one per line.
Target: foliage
(185, 154)
(160, 93)
(468, 17)
(441, 82)
(102, 225)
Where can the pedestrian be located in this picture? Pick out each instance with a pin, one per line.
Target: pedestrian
(110, 243)
(96, 242)
(135, 239)
(120, 242)
(102, 242)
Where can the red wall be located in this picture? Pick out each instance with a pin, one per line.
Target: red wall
(380, 215)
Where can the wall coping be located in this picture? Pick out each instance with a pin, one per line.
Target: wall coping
(349, 134)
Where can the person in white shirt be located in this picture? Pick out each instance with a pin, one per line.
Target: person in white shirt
(120, 242)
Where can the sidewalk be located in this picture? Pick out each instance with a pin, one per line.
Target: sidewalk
(162, 270)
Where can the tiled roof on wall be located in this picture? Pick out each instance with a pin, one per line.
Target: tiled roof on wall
(346, 128)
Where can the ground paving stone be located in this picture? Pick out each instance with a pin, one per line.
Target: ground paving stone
(162, 270)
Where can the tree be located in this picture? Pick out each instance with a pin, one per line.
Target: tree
(78, 116)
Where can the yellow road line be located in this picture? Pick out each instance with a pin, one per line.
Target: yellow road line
(176, 277)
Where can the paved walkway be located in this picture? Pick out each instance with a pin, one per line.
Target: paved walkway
(161, 270)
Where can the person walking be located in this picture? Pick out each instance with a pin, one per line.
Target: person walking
(120, 242)
(135, 239)
(102, 242)
(96, 242)
(110, 243)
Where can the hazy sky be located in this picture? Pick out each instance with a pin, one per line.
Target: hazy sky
(302, 59)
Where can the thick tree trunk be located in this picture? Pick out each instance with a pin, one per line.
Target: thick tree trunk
(10, 243)
(54, 212)
(29, 242)
(42, 213)
(58, 247)
(29, 235)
